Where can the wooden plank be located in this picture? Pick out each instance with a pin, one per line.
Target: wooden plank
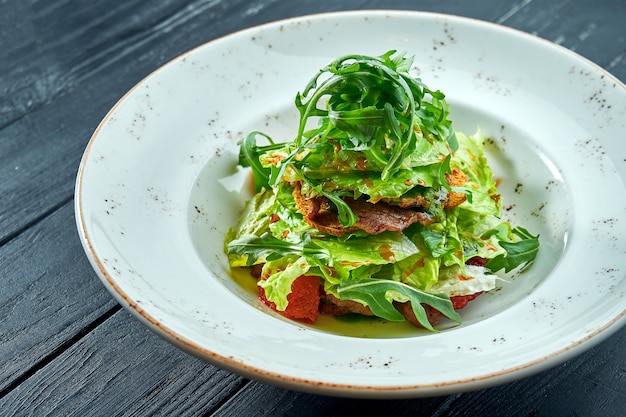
(564, 390)
(257, 399)
(64, 68)
(60, 44)
(49, 294)
(591, 28)
(122, 369)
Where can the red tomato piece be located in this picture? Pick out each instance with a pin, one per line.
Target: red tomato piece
(304, 299)
(461, 301)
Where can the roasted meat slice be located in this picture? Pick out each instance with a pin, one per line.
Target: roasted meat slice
(433, 315)
(407, 311)
(336, 307)
(376, 218)
(373, 218)
(387, 214)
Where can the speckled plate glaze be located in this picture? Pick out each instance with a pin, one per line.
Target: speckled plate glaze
(158, 188)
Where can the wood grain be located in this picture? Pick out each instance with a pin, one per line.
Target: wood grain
(592, 29)
(126, 370)
(66, 68)
(50, 294)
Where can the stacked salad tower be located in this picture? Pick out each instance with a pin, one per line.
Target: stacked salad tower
(376, 206)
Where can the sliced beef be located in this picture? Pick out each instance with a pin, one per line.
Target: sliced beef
(376, 218)
(433, 315)
(336, 307)
(317, 212)
(373, 218)
(407, 311)
(387, 214)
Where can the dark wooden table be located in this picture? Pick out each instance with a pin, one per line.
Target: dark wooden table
(66, 346)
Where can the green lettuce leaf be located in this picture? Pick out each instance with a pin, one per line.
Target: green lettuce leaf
(519, 253)
(443, 240)
(420, 270)
(281, 273)
(254, 221)
(287, 223)
(369, 183)
(384, 248)
(470, 158)
(266, 248)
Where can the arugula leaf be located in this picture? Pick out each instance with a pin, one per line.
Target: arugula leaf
(521, 252)
(360, 123)
(345, 214)
(249, 153)
(384, 248)
(267, 247)
(379, 295)
(376, 100)
(444, 169)
(374, 109)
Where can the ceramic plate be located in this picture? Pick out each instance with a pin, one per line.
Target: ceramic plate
(158, 188)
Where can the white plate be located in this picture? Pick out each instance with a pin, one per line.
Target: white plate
(158, 188)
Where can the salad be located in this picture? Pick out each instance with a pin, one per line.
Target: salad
(376, 206)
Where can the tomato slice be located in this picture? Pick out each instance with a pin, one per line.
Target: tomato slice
(304, 299)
